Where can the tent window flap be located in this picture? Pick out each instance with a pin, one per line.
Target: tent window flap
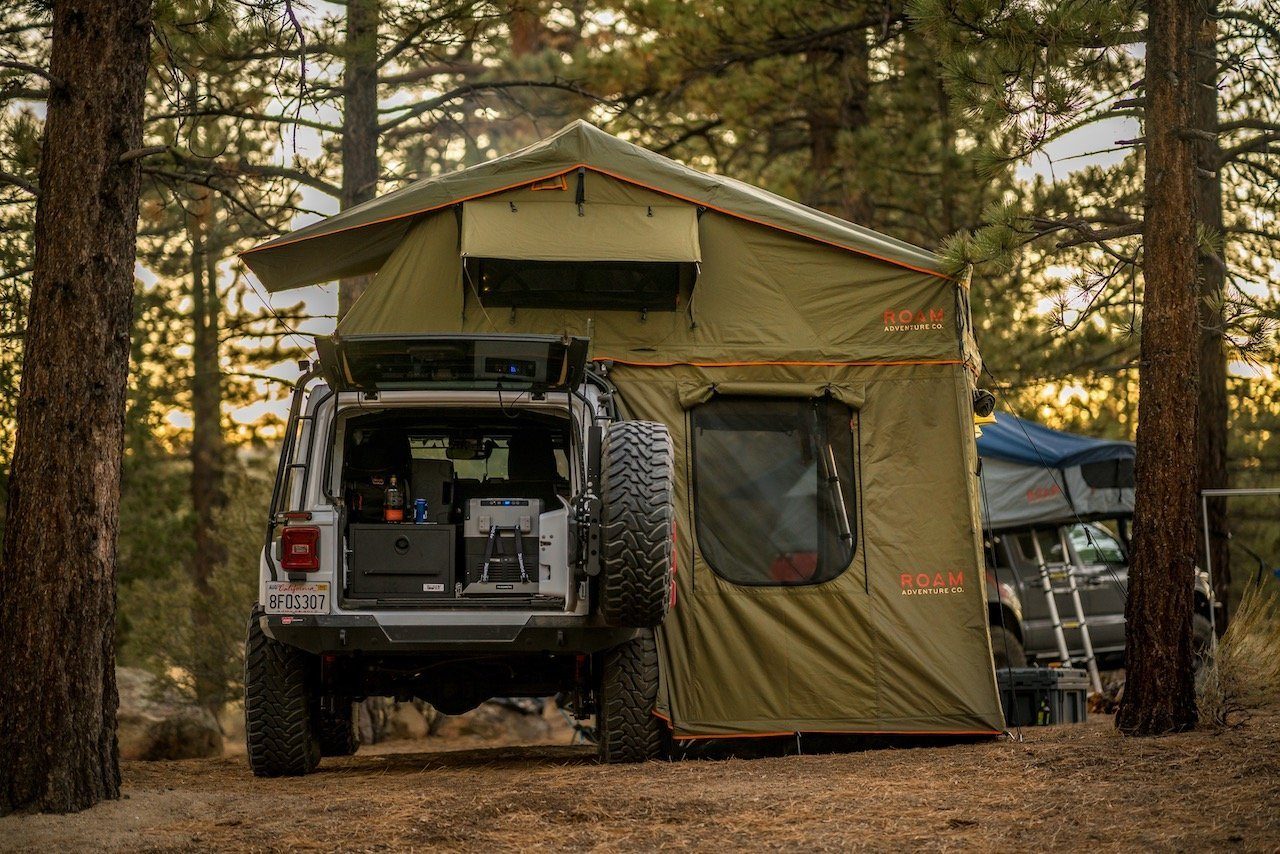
(774, 489)
(559, 231)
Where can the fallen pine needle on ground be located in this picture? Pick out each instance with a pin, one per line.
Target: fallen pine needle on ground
(1064, 787)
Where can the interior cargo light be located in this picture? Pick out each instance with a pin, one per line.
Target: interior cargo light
(300, 548)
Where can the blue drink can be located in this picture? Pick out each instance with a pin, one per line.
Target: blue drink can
(420, 511)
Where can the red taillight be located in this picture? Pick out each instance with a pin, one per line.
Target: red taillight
(300, 549)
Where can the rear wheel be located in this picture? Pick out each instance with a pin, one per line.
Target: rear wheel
(1006, 649)
(636, 492)
(626, 728)
(278, 729)
(336, 730)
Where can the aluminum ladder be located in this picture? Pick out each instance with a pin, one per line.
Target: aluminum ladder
(1069, 570)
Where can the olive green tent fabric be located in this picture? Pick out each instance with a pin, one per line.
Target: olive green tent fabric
(786, 308)
(898, 642)
(554, 231)
(359, 239)
(759, 295)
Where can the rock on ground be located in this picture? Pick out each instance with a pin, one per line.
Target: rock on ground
(155, 722)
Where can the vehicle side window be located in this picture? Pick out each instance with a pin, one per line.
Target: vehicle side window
(1050, 547)
(1095, 544)
(774, 489)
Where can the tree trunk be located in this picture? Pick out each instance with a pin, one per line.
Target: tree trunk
(57, 580)
(1213, 356)
(208, 496)
(1159, 695)
(359, 123)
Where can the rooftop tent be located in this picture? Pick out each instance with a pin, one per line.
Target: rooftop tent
(817, 379)
(1036, 475)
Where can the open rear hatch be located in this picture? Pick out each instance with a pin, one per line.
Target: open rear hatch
(452, 361)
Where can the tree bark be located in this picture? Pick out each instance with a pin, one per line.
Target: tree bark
(1213, 356)
(208, 496)
(359, 123)
(57, 579)
(1159, 694)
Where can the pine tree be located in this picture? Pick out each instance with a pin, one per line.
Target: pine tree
(57, 596)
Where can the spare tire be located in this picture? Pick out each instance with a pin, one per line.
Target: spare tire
(636, 491)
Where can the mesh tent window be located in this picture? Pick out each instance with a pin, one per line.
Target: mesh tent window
(774, 489)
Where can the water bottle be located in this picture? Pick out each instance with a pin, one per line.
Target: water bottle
(393, 503)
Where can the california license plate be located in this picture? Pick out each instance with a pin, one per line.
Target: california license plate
(297, 597)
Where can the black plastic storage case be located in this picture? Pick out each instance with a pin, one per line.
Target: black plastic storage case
(1038, 696)
(401, 561)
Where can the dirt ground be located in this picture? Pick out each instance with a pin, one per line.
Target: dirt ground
(1063, 787)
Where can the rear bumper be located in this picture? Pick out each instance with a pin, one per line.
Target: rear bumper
(366, 633)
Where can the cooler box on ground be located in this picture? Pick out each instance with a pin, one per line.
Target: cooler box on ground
(1039, 696)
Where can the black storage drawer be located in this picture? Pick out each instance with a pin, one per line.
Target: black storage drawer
(401, 561)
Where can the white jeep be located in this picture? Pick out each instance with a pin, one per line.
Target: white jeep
(530, 554)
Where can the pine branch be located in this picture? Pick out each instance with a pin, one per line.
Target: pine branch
(1258, 22)
(427, 72)
(19, 182)
(246, 115)
(1261, 142)
(32, 69)
(289, 173)
(415, 110)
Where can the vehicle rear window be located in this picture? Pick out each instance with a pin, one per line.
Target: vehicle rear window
(775, 489)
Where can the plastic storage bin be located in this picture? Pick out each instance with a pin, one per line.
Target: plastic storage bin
(1039, 696)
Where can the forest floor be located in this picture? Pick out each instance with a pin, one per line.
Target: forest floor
(1063, 787)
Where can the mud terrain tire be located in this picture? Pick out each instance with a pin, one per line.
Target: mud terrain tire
(636, 465)
(278, 732)
(626, 728)
(336, 730)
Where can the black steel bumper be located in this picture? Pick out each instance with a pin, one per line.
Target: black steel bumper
(350, 633)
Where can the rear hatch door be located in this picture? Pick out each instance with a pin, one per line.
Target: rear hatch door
(452, 361)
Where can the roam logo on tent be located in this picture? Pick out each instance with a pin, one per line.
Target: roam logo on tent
(910, 320)
(931, 584)
(1042, 493)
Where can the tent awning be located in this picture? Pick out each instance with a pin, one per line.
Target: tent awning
(553, 231)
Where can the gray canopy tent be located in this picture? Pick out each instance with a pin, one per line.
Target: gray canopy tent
(1035, 475)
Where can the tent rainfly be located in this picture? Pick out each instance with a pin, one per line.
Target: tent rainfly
(817, 379)
(1038, 476)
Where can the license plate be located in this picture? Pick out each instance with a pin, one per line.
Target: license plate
(297, 597)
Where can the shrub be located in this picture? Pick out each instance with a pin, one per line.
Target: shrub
(164, 635)
(1244, 673)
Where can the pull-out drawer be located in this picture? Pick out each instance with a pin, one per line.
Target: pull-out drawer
(401, 561)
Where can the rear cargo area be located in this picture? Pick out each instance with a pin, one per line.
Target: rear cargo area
(456, 508)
